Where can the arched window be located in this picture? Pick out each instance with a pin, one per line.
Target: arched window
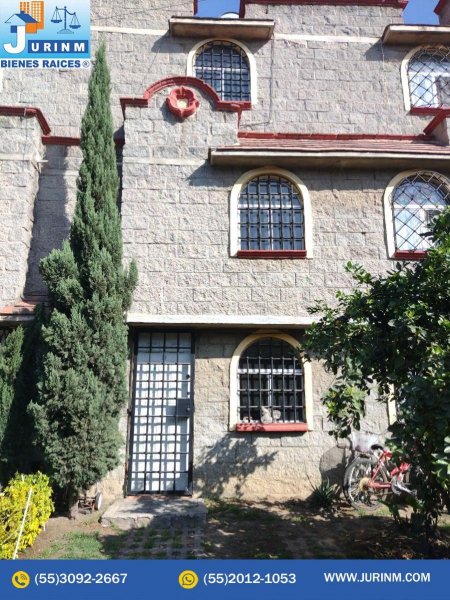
(272, 385)
(225, 67)
(412, 203)
(270, 215)
(429, 77)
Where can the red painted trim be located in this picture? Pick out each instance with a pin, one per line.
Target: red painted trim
(425, 110)
(440, 6)
(182, 93)
(444, 113)
(55, 140)
(140, 102)
(259, 135)
(410, 255)
(201, 85)
(27, 111)
(389, 3)
(276, 254)
(188, 81)
(272, 427)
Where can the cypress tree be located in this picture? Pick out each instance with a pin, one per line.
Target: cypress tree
(11, 357)
(83, 385)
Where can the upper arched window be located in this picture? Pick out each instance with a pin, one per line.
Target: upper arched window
(413, 201)
(225, 67)
(429, 77)
(271, 216)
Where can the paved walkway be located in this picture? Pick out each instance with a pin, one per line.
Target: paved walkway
(158, 526)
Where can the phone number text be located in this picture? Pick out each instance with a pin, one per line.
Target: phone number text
(80, 578)
(249, 579)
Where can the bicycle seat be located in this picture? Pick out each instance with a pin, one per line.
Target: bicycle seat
(376, 447)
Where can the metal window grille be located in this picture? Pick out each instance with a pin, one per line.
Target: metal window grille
(224, 66)
(270, 384)
(429, 77)
(271, 215)
(416, 201)
(161, 451)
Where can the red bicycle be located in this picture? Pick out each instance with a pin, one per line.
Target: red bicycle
(369, 479)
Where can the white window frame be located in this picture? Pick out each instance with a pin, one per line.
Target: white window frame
(234, 205)
(388, 213)
(234, 377)
(405, 76)
(190, 70)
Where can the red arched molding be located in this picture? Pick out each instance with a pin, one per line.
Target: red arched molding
(185, 81)
(202, 86)
(390, 3)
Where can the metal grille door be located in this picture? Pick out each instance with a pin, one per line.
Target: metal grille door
(161, 430)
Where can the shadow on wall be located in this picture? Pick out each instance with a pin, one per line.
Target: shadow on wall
(222, 469)
(50, 221)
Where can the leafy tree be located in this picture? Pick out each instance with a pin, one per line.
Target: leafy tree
(82, 386)
(393, 333)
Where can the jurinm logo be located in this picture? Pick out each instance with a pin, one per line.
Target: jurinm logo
(44, 34)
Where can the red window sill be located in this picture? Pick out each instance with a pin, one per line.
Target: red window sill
(272, 427)
(410, 255)
(277, 254)
(426, 110)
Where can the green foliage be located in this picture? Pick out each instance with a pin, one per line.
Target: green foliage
(11, 357)
(392, 334)
(83, 384)
(324, 495)
(12, 506)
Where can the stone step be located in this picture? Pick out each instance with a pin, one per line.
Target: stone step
(155, 511)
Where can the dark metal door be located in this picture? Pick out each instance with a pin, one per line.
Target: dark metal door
(161, 422)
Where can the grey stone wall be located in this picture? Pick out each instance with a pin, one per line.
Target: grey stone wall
(176, 224)
(21, 149)
(260, 466)
(304, 85)
(327, 19)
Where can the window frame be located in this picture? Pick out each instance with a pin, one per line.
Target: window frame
(406, 83)
(190, 70)
(393, 252)
(235, 424)
(241, 183)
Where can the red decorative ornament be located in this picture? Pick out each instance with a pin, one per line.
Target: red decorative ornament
(182, 102)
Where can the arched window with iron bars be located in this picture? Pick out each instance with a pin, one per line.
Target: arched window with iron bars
(415, 202)
(271, 215)
(225, 67)
(429, 77)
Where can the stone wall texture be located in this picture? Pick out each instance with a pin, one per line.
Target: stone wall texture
(325, 71)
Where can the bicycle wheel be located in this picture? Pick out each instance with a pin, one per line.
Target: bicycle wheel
(356, 488)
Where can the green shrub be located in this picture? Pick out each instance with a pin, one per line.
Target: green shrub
(12, 506)
(324, 495)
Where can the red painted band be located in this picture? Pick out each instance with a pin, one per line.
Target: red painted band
(410, 255)
(27, 111)
(260, 135)
(425, 110)
(440, 6)
(444, 113)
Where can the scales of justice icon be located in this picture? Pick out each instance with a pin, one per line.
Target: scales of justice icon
(63, 13)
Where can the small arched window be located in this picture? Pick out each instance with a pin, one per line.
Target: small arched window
(414, 202)
(271, 385)
(271, 215)
(225, 67)
(429, 77)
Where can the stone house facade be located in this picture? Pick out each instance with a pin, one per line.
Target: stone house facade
(258, 155)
